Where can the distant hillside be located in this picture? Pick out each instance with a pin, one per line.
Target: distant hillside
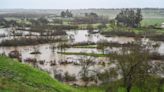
(111, 13)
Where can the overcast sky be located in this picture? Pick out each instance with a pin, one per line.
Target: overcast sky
(77, 4)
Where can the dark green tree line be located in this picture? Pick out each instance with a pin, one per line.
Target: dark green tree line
(129, 17)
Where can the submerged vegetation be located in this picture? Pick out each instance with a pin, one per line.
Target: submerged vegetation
(30, 41)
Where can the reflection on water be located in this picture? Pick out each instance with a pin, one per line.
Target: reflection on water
(161, 48)
(84, 36)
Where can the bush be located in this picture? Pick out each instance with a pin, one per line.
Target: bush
(69, 77)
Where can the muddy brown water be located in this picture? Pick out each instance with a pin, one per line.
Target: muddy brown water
(48, 55)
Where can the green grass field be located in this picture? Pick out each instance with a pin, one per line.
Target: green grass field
(85, 54)
(152, 21)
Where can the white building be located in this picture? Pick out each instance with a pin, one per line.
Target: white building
(162, 25)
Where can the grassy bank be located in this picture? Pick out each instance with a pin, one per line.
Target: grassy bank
(84, 54)
(87, 46)
(17, 77)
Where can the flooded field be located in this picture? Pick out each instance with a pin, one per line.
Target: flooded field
(82, 46)
(54, 63)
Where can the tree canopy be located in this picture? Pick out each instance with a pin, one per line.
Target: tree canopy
(66, 14)
(129, 17)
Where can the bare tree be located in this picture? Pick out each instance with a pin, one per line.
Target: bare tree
(133, 64)
(86, 63)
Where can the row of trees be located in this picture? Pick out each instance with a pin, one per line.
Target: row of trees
(91, 18)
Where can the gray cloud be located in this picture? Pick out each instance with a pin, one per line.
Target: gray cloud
(73, 4)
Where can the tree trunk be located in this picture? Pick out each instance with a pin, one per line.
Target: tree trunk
(128, 88)
(159, 89)
(128, 84)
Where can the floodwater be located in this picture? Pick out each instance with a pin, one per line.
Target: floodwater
(48, 55)
(46, 50)
(84, 36)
